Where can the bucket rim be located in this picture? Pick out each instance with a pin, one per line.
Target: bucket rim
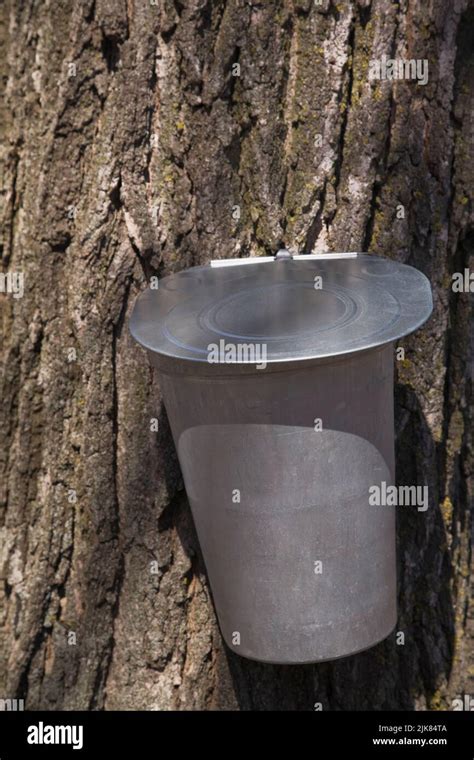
(194, 308)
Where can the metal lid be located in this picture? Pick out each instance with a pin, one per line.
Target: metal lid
(298, 308)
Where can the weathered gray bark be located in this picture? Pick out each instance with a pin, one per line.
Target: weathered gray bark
(129, 163)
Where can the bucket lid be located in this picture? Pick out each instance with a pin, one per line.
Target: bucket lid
(301, 308)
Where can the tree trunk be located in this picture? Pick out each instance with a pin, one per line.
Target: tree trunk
(141, 137)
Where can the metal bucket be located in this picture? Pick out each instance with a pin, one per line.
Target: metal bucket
(278, 461)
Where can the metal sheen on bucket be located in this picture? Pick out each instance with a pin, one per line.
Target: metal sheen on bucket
(277, 378)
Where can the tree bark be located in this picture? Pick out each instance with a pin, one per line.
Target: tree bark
(141, 138)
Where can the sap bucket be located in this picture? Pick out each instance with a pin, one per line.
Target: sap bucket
(277, 377)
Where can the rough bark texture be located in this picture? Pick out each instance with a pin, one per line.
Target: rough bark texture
(127, 141)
